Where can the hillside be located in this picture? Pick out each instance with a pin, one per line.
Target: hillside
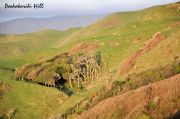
(158, 100)
(20, 49)
(103, 65)
(126, 32)
(63, 22)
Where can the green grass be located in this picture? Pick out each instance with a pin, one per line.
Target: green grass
(17, 50)
(164, 53)
(124, 28)
(144, 116)
(35, 101)
(30, 100)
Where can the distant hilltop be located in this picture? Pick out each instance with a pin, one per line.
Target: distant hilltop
(28, 25)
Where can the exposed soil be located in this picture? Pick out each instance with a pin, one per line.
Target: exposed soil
(130, 62)
(164, 94)
(84, 46)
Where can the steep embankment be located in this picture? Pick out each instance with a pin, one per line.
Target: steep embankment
(165, 52)
(157, 100)
(128, 65)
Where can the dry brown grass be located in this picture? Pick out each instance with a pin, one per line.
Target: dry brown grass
(84, 46)
(133, 103)
(4, 88)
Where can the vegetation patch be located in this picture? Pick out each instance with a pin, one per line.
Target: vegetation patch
(9, 114)
(84, 46)
(3, 88)
(64, 70)
(132, 81)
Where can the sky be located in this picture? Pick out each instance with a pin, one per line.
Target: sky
(74, 7)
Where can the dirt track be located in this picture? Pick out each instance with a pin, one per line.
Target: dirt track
(130, 62)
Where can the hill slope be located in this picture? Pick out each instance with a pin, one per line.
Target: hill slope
(159, 100)
(126, 32)
(19, 26)
(20, 49)
(117, 38)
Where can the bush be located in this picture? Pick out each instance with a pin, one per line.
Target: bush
(46, 78)
(152, 105)
(117, 84)
(133, 85)
(177, 68)
(9, 114)
(4, 88)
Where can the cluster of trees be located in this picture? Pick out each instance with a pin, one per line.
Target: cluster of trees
(72, 70)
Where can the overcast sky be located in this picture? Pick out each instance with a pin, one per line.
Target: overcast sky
(74, 7)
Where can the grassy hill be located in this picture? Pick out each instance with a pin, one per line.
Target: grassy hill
(121, 31)
(148, 40)
(20, 49)
(59, 22)
(28, 100)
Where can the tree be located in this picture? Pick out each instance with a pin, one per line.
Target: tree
(98, 58)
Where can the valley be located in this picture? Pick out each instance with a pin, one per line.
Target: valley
(125, 66)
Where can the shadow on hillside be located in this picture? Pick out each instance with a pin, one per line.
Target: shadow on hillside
(60, 85)
(175, 116)
(61, 88)
(67, 91)
(8, 69)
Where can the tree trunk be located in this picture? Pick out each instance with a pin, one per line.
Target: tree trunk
(78, 81)
(70, 83)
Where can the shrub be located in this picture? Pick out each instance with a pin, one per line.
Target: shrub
(4, 88)
(133, 85)
(177, 68)
(117, 84)
(46, 78)
(98, 58)
(152, 105)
